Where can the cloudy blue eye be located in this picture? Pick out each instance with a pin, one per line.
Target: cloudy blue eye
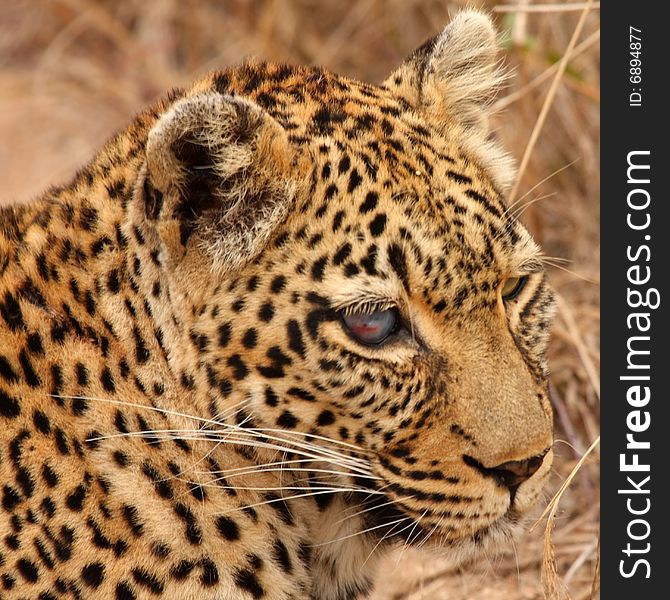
(373, 328)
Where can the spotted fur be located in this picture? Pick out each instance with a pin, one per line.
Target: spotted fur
(183, 412)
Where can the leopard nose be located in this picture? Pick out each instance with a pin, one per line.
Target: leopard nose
(510, 474)
(513, 473)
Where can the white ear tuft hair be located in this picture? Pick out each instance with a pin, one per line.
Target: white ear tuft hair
(453, 78)
(463, 73)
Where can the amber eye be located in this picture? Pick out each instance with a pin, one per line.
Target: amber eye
(372, 329)
(512, 287)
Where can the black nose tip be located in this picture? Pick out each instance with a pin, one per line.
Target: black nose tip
(509, 474)
(513, 473)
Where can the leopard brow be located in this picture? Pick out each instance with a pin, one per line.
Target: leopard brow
(530, 265)
(364, 304)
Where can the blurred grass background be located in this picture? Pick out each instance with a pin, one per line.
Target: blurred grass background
(74, 71)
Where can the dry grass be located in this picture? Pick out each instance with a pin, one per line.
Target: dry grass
(73, 71)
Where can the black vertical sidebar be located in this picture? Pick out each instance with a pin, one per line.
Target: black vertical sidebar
(635, 342)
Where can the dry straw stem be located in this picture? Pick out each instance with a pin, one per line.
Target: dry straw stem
(595, 585)
(546, 8)
(105, 22)
(553, 587)
(550, 98)
(540, 79)
(566, 314)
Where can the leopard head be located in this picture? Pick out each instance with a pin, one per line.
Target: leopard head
(339, 269)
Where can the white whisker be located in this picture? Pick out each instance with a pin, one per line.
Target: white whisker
(386, 535)
(431, 532)
(409, 539)
(211, 450)
(221, 424)
(312, 451)
(280, 468)
(539, 183)
(346, 537)
(522, 209)
(285, 498)
(375, 507)
(318, 437)
(573, 273)
(294, 488)
(261, 467)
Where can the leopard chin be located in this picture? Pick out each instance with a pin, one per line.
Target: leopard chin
(393, 526)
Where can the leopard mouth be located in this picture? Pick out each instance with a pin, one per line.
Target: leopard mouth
(482, 516)
(385, 519)
(394, 527)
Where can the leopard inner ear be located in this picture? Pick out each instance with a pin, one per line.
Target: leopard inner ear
(218, 179)
(453, 79)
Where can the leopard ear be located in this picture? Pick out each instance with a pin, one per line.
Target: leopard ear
(456, 73)
(453, 78)
(217, 179)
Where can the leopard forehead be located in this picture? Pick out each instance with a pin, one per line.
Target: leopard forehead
(369, 157)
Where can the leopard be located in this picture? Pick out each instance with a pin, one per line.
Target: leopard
(281, 324)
